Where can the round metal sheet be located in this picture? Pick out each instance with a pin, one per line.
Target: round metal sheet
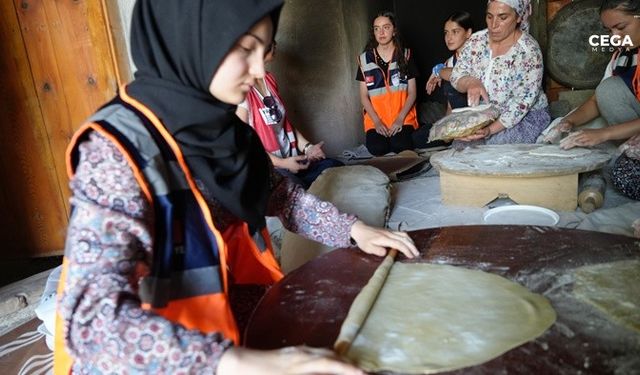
(570, 59)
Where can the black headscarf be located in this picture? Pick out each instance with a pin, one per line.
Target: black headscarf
(177, 46)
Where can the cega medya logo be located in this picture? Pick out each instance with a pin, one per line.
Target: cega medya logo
(609, 43)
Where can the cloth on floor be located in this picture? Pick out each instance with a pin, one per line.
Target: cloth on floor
(358, 189)
(24, 351)
(359, 152)
(46, 309)
(402, 165)
(19, 300)
(616, 220)
(417, 204)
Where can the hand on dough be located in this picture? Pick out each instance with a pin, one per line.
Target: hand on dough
(376, 241)
(584, 138)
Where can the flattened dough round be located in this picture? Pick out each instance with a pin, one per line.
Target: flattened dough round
(432, 318)
(614, 288)
(556, 151)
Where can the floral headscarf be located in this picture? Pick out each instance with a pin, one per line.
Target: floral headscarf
(523, 10)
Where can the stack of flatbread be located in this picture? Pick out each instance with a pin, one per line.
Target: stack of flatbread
(463, 122)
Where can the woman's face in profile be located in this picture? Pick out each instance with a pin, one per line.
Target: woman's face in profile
(621, 24)
(243, 64)
(502, 21)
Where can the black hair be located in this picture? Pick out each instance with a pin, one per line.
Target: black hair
(398, 54)
(461, 18)
(627, 6)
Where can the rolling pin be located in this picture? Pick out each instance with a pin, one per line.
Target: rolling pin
(592, 189)
(362, 305)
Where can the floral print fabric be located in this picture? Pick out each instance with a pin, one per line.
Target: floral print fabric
(632, 147)
(109, 246)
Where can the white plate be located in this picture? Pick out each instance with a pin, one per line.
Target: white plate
(521, 215)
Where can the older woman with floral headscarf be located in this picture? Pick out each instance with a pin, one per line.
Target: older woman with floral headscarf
(502, 65)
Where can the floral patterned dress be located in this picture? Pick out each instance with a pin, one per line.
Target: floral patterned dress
(513, 82)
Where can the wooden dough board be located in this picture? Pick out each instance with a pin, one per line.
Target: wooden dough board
(308, 306)
(477, 175)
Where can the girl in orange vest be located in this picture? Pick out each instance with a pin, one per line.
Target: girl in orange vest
(170, 191)
(387, 89)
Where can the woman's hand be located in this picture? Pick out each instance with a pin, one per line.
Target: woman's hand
(315, 152)
(298, 360)
(295, 164)
(432, 83)
(554, 135)
(478, 134)
(475, 92)
(376, 241)
(396, 127)
(565, 126)
(381, 129)
(584, 138)
(487, 131)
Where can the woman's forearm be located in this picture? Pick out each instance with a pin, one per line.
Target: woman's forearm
(276, 161)
(411, 99)
(495, 127)
(366, 103)
(623, 131)
(445, 73)
(586, 112)
(464, 83)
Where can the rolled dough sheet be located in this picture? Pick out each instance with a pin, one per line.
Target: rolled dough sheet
(614, 288)
(432, 318)
(556, 151)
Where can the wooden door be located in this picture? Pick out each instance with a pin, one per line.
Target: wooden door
(58, 65)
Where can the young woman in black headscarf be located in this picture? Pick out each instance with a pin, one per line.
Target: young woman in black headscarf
(170, 190)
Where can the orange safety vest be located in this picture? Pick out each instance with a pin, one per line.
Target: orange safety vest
(388, 91)
(195, 293)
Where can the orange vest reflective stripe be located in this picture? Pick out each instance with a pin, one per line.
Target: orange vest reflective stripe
(204, 304)
(388, 91)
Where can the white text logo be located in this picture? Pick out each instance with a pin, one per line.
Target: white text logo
(609, 43)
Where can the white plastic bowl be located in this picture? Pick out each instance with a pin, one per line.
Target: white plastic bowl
(521, 215)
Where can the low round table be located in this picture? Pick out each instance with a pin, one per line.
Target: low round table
(308, 306)
(536, 174)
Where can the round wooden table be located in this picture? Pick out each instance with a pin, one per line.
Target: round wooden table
(308, 306)
(535, 174)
